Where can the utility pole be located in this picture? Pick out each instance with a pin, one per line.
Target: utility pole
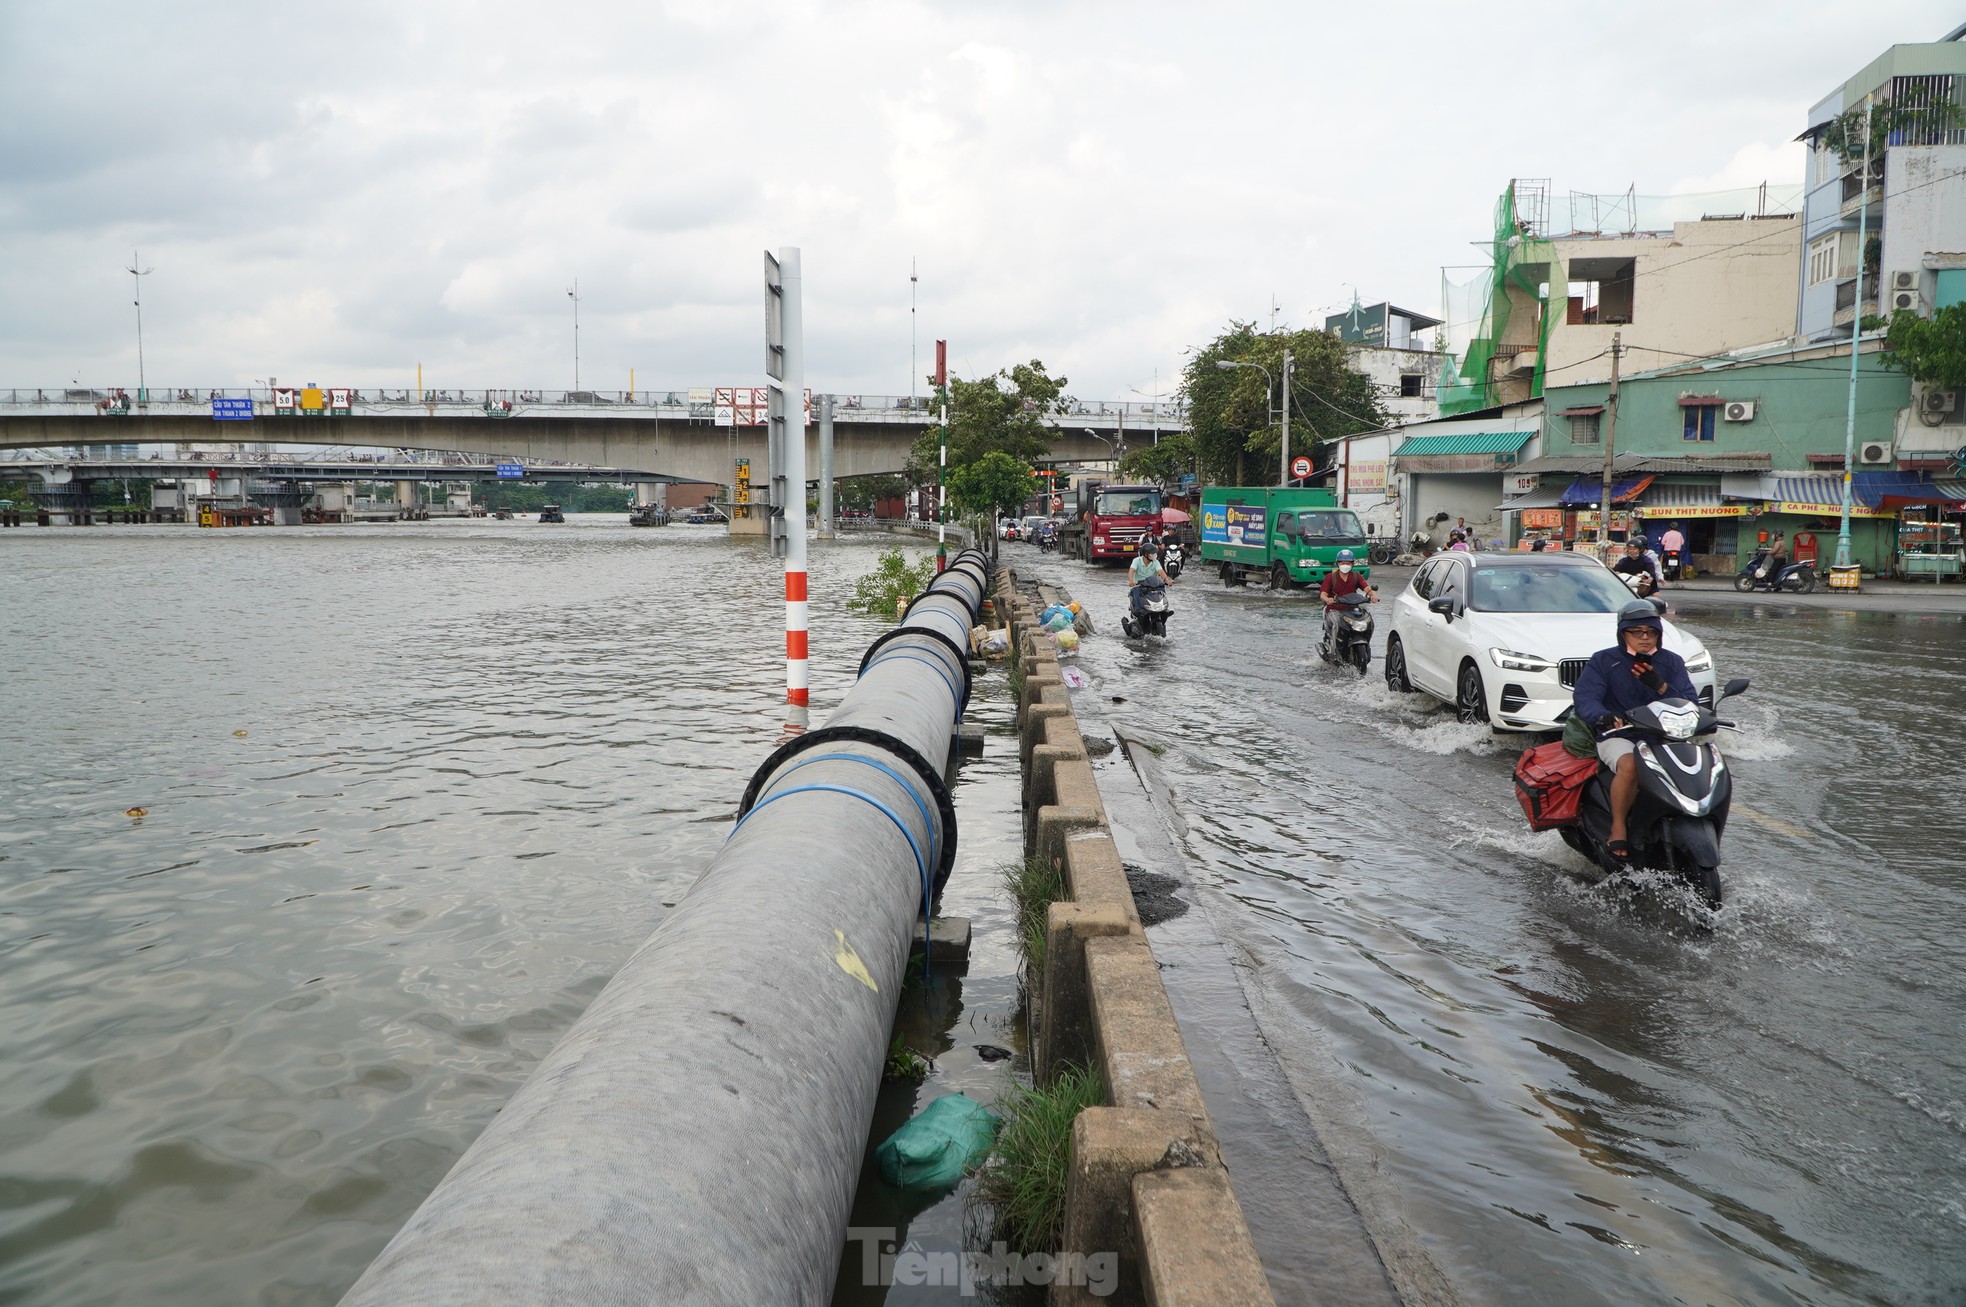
(1856, 330)
(913, 282)
(574, 295)
(942, 463)
(1287, 364)
(1610, 448)
(137, 274)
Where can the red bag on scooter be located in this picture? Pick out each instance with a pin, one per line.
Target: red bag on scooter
(1549, 783)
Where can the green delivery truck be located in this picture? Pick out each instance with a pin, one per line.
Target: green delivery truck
(1281, 536)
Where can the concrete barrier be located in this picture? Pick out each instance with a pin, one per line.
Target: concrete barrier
(1146, 1176)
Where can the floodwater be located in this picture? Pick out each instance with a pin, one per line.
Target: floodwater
(409, 794)
(1565, 1092)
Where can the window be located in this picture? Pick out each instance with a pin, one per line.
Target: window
(1409, 385)
(1286, 524)
(1600, 290)
(1425, 579)
(1699, 421)
(1583, 428)
(1822, 258)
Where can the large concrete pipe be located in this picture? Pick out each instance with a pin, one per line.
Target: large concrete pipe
(696, 1136)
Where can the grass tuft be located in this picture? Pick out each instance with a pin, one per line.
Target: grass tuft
(1024, 1180)
(1036, 885)
(905, 1065)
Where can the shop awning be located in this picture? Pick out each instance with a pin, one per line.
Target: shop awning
(1540, 497)
(1894, 490)
(1584, 491)
(1479, 442)
(1678, 499)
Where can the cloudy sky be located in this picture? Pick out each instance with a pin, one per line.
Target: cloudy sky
(339, 191)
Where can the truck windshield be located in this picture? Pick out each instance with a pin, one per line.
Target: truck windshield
(1129, 503)
(1331, 527)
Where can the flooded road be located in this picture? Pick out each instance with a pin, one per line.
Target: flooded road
(408, 796)
(1581, 1094)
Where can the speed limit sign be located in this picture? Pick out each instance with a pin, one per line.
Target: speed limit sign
(1300, 467)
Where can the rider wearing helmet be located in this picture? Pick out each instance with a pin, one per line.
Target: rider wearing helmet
(1633, 672)
(1145, 570)
(1339, 582)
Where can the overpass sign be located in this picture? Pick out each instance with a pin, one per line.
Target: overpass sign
(511, 471)
(232, 410)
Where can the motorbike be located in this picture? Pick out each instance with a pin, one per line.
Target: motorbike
(1347, 639)
(1671, 562)
(1149, 610)
(1761, 573)
(1684, 792)
(1174, 557)
(1047, 539)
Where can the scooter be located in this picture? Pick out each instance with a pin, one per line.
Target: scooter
(1347, 639)
(1047, 539)
(1670, 562)
(1150, 610)
(1174, 557)
(1684, 792)
(1762, 574)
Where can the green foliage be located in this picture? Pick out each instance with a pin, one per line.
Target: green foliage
(995, 483)
(1035, 884)
(1844, 134)
(905, 1065)
(892, 583)
(1003, 413)
(1024, 1181)
(1164, 462)
(862, 493)
(1237, 436)
(521, 497)
(1932, 350)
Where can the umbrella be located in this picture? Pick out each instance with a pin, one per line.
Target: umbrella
(1174, 516)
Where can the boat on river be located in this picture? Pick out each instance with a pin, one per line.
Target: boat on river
(552, 513)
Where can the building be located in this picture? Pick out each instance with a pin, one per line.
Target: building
(1445, 471)
(1913, 212)
(1392, 347)
(1550, 304)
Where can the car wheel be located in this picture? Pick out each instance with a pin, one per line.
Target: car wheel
(1229, 577)
(1470, 700)
(1396, 678)
(1279, 577)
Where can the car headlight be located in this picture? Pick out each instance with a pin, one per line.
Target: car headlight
(1519, 662)
(1700, 662)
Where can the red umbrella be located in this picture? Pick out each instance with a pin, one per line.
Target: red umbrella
(1174, 516)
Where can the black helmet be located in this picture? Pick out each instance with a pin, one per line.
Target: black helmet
(1639, 612)
(1148, 548)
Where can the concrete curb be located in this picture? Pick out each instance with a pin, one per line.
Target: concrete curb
(1146, 1178)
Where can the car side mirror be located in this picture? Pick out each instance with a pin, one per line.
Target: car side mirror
(1658, 603)
(1443, 605)
(1736, 686)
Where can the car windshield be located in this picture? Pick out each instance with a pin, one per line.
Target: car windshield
(1131, 502)
(1033, 523)
(1547, 588)
(1336, 527)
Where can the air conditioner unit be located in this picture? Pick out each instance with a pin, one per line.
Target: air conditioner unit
(1904, 280)
(1875, 451)
(1738, 410)
(1938, 401)
(1907, 301)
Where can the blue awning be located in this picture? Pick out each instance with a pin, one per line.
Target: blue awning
(1583, 492)
(1904, 489)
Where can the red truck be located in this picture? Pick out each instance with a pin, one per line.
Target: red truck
(1112, 521)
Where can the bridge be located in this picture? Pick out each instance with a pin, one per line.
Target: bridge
(652, 436)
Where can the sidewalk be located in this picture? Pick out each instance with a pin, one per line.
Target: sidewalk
(1875, 596)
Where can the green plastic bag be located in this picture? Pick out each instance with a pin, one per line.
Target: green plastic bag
(1579, 740)
(938, 1145)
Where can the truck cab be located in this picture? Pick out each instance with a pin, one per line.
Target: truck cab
(1113, 519)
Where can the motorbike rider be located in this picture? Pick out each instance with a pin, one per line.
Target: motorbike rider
(1144, 568)
(1633, 672)
(1642, 562)
(1338, 583)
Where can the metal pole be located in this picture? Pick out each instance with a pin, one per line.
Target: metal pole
(1856, 331)
(1610, 445)
(1286, 419)
(136, 279)
(825, 467)
(942, 460)
(794, 509)
(574, 295)
(913, 281)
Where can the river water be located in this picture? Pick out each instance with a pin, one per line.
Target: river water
(1565, 1093)
(410, 794)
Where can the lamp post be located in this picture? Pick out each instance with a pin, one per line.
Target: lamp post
(137, 274)
(574, 295)
(1856, 336)
(1117, 446)
(1269, 384)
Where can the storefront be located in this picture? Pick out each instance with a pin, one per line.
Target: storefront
(1450, 470)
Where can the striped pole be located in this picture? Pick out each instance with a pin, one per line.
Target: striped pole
(792, 322)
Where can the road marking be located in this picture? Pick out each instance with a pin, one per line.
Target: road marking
(1772, 823)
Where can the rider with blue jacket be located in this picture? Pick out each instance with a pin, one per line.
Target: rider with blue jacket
(1633, 672)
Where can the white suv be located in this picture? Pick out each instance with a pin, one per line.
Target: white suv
(1503, 637)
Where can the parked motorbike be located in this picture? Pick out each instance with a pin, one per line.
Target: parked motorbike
(1684, 792)
(1149, 610)
(1173, 557)
(1347, 639)
(1671, 562)
(1761, 573)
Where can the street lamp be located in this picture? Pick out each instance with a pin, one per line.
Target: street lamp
(1118, 446)
(574, 295)
(1269, 384)
(137, 274)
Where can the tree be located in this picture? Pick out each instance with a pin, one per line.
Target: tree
(1165, 462)
(994, 485)
(1001, 413)
(862, 493)
(1233, 412)
(1932, 350)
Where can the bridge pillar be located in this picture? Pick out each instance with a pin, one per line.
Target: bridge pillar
(406, 494)
(825, 467)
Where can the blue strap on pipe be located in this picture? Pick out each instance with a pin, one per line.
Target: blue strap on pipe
(921, 863)
(943, 612)
(942, 669)
(928, 818)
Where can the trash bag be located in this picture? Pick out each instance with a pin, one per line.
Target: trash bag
(1059, 620)
(1068, 640)
(1050, 614)
(941, 1143)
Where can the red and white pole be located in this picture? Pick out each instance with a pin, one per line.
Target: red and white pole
(792, 324)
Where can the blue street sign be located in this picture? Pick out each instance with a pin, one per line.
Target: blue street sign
(232, 410)
(511, 471)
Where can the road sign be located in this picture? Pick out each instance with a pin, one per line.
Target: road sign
(511, 471)
(232, 410)
(1300, 466)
